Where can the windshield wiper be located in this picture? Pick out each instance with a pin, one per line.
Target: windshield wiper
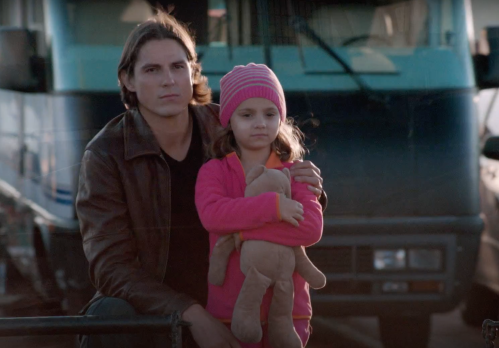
(301, 26)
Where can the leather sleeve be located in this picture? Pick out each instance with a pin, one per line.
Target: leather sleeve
(323, 200)
(109, 243)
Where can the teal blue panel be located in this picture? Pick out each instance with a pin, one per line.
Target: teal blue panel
(380, 69)
(219, 60)
(89, 68)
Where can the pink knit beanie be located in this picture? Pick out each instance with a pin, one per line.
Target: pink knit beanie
(250, 81)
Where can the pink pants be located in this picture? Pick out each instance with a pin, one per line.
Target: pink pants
(302, 327)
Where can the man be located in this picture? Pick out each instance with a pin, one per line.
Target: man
(147, 250)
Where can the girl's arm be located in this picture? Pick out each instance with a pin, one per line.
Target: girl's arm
(310, 230)
(221, 214)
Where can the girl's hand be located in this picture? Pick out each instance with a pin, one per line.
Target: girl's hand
(307, 172)
(291, 211)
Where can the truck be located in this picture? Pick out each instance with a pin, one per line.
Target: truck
(482, 301)
(384, 90)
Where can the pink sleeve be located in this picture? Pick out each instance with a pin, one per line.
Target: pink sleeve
(221, 214)
(310, 230)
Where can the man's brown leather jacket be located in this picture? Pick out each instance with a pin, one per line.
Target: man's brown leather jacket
(123, 205)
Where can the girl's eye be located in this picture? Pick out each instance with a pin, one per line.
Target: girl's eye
(270, 114)
(178, 66)
(245, 115)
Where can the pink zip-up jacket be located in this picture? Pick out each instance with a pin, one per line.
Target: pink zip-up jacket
(223, 209)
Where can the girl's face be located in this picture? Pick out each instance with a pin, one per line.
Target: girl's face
(255, 124)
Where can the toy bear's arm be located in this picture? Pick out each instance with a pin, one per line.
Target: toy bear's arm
(221, 214)
(310, 230)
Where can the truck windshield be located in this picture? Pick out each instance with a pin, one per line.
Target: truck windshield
(389, 44)
(87, 38)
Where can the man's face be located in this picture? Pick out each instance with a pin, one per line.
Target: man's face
(162, 79)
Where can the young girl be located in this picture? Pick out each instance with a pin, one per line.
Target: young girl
(256, 132)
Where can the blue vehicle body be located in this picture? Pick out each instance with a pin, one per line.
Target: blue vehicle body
(398, 151)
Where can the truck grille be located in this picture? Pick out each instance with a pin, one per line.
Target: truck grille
(343, 264)
(346, 287)
(342, 259)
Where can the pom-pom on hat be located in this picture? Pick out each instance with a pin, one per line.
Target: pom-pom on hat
(250, 81)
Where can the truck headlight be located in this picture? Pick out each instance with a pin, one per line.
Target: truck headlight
(394, 259)
(425, 259)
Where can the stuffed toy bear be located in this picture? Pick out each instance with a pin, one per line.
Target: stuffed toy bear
(265, 265)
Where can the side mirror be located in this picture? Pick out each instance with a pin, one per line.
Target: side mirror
(491, 148)
(487, 61)
(17, 59)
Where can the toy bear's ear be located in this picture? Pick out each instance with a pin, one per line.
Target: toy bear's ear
(287, 173)
(255, 173)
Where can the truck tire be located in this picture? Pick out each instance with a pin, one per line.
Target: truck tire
(61, 287)
(50, 293)
(480, 303)
(407, 332)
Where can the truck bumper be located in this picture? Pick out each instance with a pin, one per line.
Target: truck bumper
(356, 287)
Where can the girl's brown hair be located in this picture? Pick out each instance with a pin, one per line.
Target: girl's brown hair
(288, 145)
(162, 26)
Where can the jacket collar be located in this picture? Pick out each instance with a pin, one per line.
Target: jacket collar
(273, 162)
(140, 140)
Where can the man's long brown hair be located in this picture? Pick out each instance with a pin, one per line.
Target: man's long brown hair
(162, 26)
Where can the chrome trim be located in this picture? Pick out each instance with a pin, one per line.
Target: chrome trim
(49, 218)
(470, 30)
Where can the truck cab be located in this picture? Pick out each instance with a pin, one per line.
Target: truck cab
(384, 91)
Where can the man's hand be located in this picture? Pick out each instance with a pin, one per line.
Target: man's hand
(307, 172)
(291, 211)
(207, 331)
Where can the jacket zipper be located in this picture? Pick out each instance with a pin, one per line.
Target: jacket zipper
(168, 226)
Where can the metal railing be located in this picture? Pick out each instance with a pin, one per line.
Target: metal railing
(94, 325)
(489, 332)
